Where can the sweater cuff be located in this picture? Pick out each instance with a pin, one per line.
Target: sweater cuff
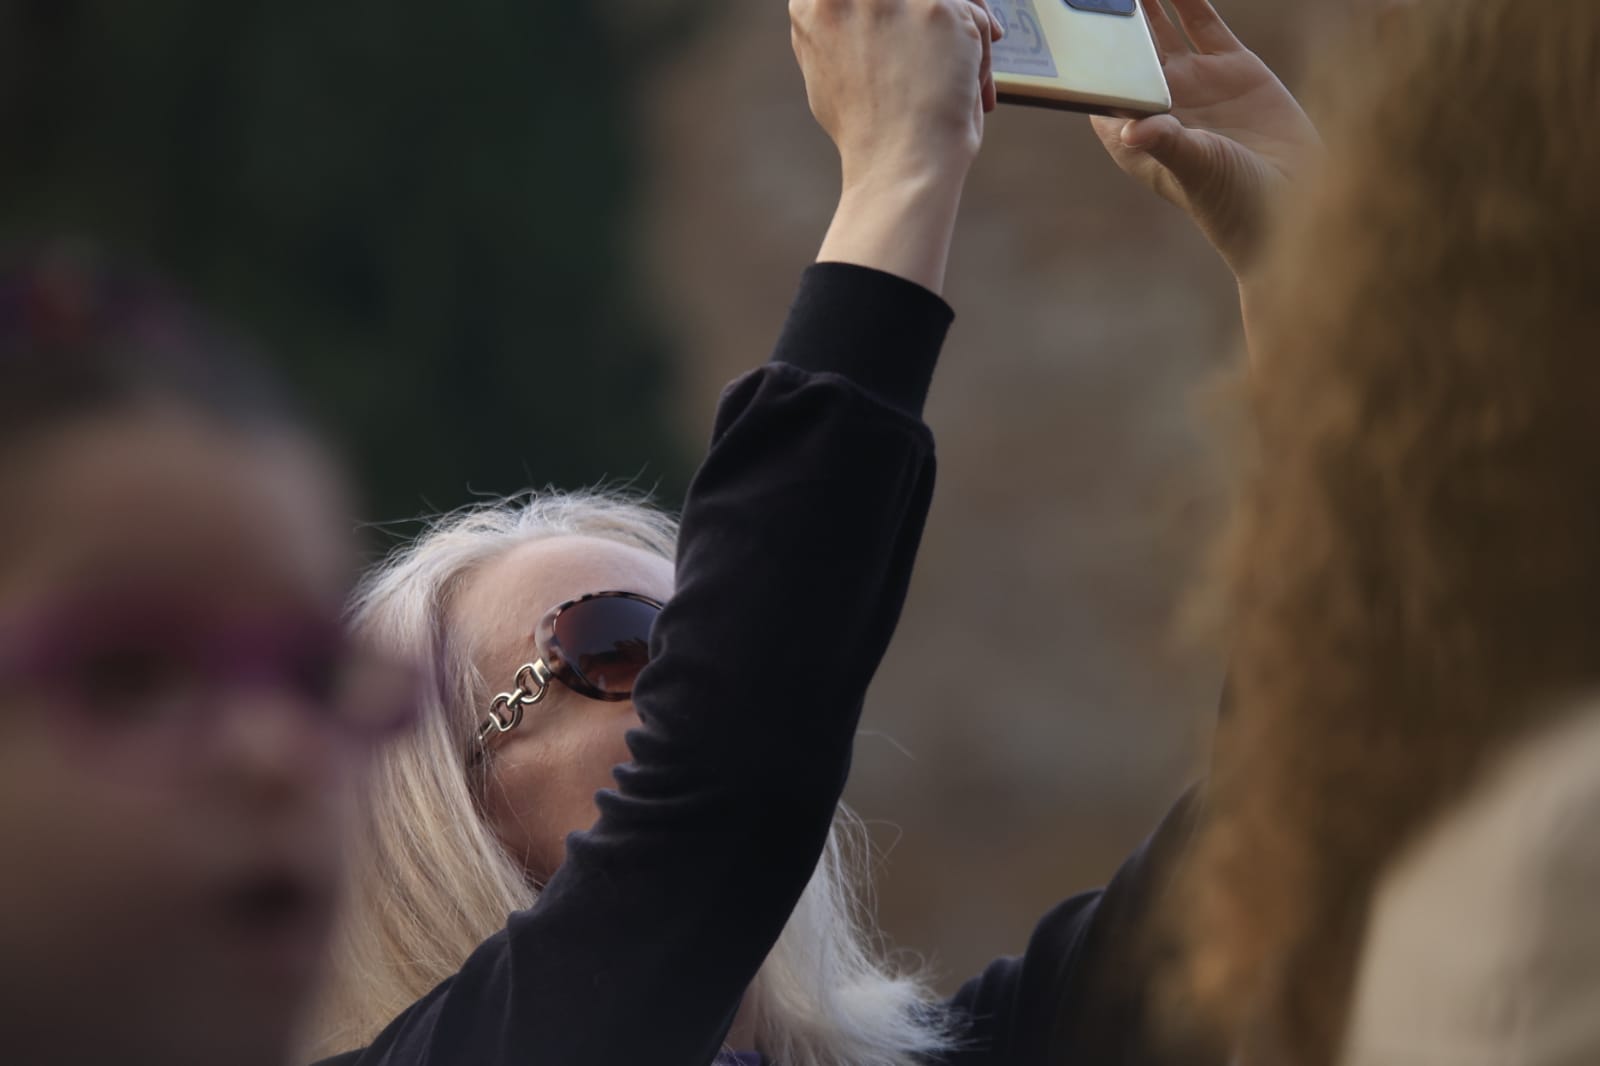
(881, 331)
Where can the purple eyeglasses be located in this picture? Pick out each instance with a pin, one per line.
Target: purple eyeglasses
(150, 683)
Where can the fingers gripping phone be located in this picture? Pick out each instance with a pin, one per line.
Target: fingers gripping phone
(1079, 55)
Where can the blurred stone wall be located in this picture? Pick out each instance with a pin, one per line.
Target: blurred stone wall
(1033, 719)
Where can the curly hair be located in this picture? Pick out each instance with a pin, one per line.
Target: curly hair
(1411, 578)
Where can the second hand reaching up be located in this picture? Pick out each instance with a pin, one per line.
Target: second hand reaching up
(1234, 140)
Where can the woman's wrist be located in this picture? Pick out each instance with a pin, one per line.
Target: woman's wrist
(900, 222)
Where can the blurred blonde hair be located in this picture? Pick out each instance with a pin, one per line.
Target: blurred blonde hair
(1413, 573)
(432, 881)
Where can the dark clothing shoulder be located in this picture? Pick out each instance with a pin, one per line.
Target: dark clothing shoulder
(1079, 995)
(643, 943)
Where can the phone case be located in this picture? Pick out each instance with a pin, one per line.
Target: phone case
(1079, 55)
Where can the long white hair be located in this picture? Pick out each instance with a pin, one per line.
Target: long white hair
(431, 881)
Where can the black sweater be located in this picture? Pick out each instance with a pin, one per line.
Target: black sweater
(798, 538)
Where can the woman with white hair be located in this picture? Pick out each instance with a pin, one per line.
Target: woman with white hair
(461, 834)
(729, 684)
(707, 903)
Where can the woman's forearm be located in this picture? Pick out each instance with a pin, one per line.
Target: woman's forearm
(901, 226)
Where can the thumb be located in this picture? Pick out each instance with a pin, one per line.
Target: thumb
(1182, 151)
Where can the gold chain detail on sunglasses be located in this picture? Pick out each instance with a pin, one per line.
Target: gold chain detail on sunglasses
(532, 682)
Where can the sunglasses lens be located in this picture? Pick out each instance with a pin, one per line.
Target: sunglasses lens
(607, 641)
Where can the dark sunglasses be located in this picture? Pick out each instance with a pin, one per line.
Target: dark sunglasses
(595, 645)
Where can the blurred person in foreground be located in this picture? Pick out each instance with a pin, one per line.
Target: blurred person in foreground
(181, 720)
(1399, 862)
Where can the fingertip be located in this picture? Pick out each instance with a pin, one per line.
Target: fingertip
(1143, 134)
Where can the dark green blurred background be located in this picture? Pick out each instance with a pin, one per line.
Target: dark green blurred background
(423, 210)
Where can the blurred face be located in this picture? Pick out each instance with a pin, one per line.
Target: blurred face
(169, 786)
(541, 777)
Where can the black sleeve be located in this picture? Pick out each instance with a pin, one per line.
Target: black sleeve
(1078, 995)
(799, 533)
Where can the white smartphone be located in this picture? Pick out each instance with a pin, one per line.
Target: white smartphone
(1079, 55)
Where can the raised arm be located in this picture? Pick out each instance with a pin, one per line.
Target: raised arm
(797, 543)
(1235, 140)
(905, 118)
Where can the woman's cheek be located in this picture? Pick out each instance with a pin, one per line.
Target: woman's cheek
(539, 793)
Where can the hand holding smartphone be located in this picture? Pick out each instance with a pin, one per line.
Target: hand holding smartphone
(1079, 55)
